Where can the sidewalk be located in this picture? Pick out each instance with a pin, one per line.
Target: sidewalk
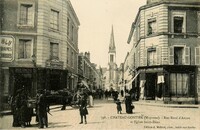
(8, 112)
(161, 104)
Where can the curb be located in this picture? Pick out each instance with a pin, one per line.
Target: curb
(167, 105)
(5, 113)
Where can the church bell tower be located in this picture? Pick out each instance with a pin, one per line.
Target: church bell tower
(112, 61)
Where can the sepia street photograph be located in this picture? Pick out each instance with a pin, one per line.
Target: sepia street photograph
(100, 64)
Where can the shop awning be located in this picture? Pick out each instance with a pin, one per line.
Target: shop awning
(85, 84)
(130, 82)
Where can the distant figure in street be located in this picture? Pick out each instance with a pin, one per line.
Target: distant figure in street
(128, 102)
(15, 108)
(42, 109)
(122, 93)
(106, 94)
(115, 95)
(23, 108)
(119, 107)
(83, 108)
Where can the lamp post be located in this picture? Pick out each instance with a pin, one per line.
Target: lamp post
(1, 86)
(1, 83)
(34, 60)
(34, 73)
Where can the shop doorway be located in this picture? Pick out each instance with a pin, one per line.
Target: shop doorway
(23, 81)
(150, 86)
(55, 82)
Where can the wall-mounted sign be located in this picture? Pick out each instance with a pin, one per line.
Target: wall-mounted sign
(54, 64)
(6, 48)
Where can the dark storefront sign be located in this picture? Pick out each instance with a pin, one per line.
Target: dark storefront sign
(151, 70)
(23, 70)
(54, 64)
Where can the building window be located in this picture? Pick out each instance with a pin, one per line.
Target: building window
(54, 19)
(72, 59)
(54, 50)
(26, 14)
(178, 22)
(67, 55)
(67, 26)
(179, 55)
(111, 58)
(72, 35)
(180, 86)
(198, 22)
(138, 32)
(197, 56)
(24, 50)
(152, 26)
(152, 56)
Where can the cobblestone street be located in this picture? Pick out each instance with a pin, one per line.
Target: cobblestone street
(104, 116)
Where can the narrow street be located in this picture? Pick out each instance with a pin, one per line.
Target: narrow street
(104, 116)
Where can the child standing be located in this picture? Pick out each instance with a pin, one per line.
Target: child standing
(119, 107)
(83, 109)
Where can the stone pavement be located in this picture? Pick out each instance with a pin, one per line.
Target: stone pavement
(103, 116)
(161, 104)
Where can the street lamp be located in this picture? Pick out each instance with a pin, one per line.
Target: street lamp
(34, 60)
(34, 73)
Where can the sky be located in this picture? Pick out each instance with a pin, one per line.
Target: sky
(96, 20)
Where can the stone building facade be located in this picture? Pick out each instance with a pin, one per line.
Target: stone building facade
(88, 72)
(165, 38)
(39, 40)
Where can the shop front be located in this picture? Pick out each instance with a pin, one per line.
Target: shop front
(169, 84)
(32, 79)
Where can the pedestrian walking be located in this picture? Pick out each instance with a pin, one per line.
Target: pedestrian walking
(22, 108)
(15, 109)
(128, 103)
(106, 94)
(122, 93)
(83, 108)
(42, 109)
(119, 107)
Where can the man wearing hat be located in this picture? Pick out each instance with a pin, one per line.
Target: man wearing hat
(41, 108)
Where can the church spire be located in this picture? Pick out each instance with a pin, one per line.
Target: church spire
(112, 42)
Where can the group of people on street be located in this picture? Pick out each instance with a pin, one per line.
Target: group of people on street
(128, 103)
(111, 93)
(22, 114)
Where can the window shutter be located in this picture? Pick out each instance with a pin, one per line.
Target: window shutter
(171, 55)
(197, 56)
(30, 16)
(28, 49)
(187, 55)
(145, 57)
(198, 22)
(158, 53)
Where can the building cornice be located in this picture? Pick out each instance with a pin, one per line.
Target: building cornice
(73, 11)
(185, 35)
(169, 3)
